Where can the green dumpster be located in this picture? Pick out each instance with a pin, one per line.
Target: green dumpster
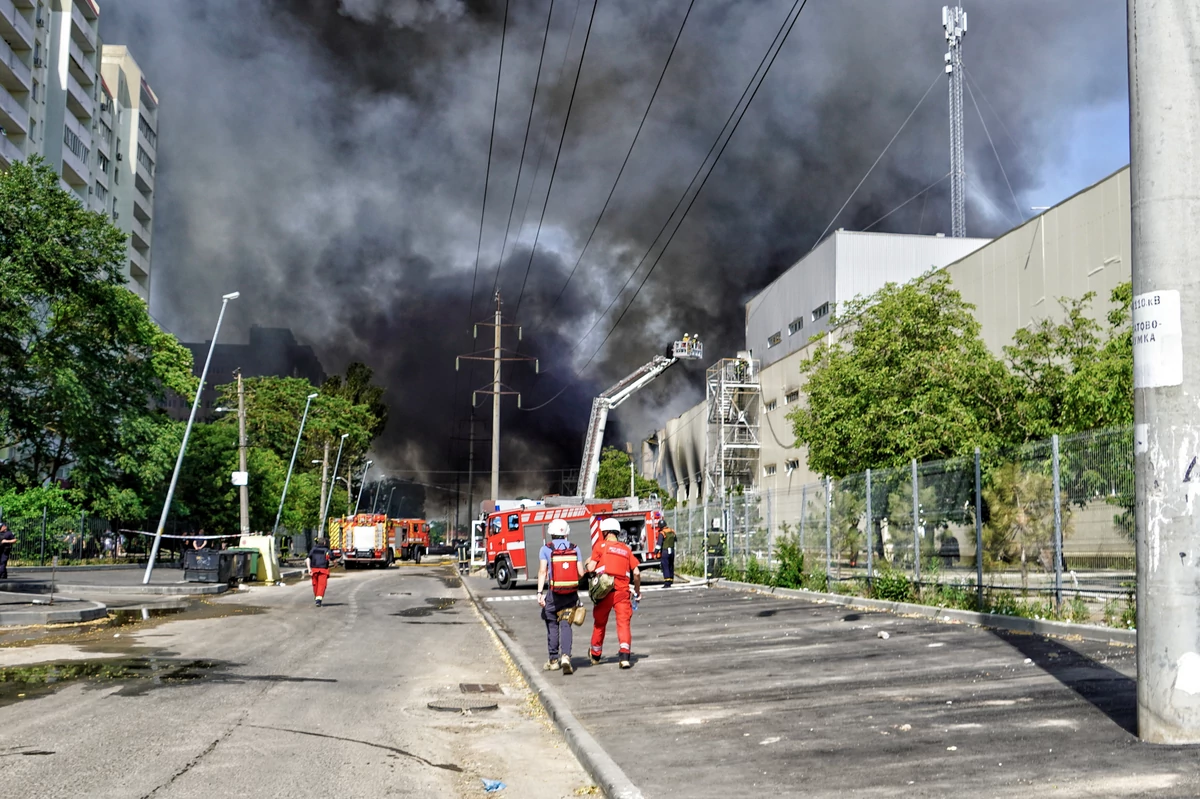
(251, 555)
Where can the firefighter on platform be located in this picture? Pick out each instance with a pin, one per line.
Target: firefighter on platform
(614, 558)
(559, 564)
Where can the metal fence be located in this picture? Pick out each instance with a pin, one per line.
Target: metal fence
(1047, 518)
(72, 539)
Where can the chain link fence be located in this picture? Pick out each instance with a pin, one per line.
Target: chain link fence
(1047, 519)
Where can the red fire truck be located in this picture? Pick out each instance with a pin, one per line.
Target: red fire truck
(515, 535)
(412, 538)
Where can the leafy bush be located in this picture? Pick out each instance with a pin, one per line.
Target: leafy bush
(892, 586)
(961, 596)
(790, 573)
(757, 573)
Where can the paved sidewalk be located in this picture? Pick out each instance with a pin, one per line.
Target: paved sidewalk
(737, 694)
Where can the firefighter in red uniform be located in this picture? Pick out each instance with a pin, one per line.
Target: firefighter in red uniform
(614, 558)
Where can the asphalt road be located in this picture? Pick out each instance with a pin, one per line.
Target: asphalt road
(261, 694)
(736, 694)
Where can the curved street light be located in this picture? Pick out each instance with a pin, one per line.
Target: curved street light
(295, 449)
(162, 520)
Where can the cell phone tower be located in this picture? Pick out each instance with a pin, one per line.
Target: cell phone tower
(954, 20)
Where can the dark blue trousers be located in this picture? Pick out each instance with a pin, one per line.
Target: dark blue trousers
(558, 633)
(668, 565)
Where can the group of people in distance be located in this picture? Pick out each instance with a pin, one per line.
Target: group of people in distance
(614, 583)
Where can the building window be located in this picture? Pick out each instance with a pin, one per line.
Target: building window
(796, 325)
(791, 396)
(820, 312)
(773, 340)
(33, 130)
(102, 162)
(101, 191)
(75, 144)
(36, 86)
(769, 470)
(771, 405)
(105, 131)
(792, 464)
(145, 160)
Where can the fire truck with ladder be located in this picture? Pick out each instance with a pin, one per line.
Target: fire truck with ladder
(515, 530)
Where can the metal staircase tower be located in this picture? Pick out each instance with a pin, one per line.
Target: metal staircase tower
(733, 447)
(954, 20)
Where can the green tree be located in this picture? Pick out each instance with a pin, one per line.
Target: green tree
(907, 377)
(1099, 392)
(357, 389)
(1020, 523)
(80, 357)
(612, 481)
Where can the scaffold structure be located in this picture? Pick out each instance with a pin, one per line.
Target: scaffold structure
(733, 446)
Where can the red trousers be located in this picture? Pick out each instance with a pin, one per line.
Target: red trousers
(618, 600)
(319, 579)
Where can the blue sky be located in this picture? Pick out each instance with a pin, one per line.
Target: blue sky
(1098, 146)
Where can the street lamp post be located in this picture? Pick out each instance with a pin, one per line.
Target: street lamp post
(162, 520)
(361, 486)
(295, 449)
(375, 501)
(329, 498)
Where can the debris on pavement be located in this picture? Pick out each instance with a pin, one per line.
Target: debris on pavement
(883, 634)
(492, 786)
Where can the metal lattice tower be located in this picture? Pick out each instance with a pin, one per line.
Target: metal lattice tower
(734, 401)
(954, 20)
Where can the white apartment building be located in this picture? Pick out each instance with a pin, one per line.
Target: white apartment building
(87, 109)
(134, 126)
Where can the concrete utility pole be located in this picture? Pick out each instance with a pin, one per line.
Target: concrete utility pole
(954, 20)
(243, 490)
(495, 490)
(1164, 142)
(497, 355)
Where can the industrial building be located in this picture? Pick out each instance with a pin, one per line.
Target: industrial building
(1080, 245)
(87, 109)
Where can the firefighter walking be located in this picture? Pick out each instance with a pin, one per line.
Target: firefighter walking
(317, 564)
(559, 564)
(614, 558)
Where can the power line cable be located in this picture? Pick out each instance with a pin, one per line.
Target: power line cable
(777, 43)
(521, 164)
(877, 160)
(628, 153)
(558, 153)
(488, 173)
(704, 181)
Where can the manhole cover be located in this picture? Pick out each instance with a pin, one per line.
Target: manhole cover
(479, 688)
(463, 705)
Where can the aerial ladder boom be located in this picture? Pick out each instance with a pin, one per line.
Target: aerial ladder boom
(689, 348)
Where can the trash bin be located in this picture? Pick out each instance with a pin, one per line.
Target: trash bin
(250, 569)
(207, 566)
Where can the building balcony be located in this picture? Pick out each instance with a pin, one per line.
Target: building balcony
(14, 74)
(75, 171)
(141, 234)
(81, 66)
(14, 26)
(143, 207)
(13, 118)
(144, 179)
(9, 152)
(82, 31)
(139, 263)
(79, 101)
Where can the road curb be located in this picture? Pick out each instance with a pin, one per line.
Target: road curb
(599, 764)
(82, 610)
(1087, 632)
(44, 586)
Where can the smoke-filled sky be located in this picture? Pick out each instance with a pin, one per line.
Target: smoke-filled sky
(327, 159)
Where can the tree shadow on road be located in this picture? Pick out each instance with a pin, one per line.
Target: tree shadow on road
(1108, 690)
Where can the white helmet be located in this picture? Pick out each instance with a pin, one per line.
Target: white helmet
(559, 529)
(610, 526)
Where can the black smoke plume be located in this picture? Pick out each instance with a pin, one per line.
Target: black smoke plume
(327, 159)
